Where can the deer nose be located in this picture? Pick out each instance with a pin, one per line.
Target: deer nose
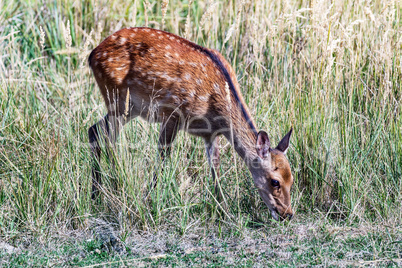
(289, 216)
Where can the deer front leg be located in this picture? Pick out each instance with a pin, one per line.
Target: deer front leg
(167, 135)
(213, 155)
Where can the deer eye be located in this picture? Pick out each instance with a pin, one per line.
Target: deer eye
(276, 168)
(275, 183)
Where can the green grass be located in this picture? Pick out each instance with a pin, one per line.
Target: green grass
(333, 72)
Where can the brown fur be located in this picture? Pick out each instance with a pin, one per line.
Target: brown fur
(171, 80)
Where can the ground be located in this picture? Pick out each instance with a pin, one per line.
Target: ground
(301, 242)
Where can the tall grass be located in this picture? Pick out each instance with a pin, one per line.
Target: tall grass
(332, 71)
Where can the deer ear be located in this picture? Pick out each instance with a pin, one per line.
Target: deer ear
(284, 143)
(263, 145)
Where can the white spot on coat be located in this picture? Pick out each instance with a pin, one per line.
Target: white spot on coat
(123, 41)
(187, 76)
(216, 88)
(166, 76)
(203, 98)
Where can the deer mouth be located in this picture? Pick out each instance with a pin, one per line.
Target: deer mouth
(274, 214)
(270, 202)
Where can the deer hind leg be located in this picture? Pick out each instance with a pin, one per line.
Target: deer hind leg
(167, 134)
(212, 148)
(104, 133)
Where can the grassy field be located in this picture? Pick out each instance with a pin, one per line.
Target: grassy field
(332, 71)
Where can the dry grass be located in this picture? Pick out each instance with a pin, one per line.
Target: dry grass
(307, 242)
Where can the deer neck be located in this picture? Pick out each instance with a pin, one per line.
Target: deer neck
(242, 134)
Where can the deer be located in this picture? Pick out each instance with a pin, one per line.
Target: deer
(166, 79)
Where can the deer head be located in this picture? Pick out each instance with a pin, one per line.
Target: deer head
(272, 175)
